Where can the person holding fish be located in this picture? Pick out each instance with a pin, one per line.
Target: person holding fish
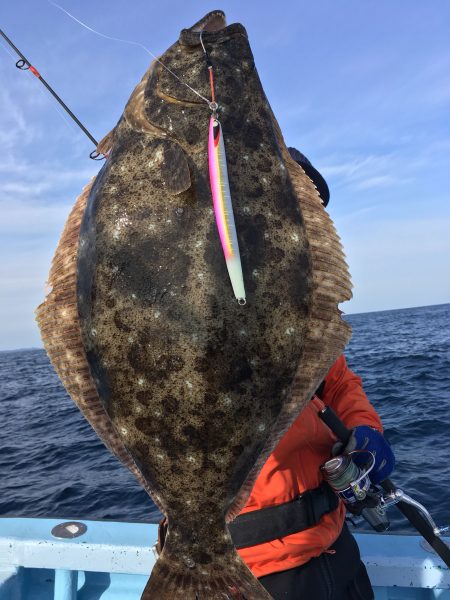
(292, 532)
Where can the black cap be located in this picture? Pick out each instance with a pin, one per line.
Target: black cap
(313, 174)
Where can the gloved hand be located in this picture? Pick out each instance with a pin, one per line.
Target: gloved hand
(366, 438)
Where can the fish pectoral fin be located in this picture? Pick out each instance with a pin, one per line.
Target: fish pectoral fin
(175, 169)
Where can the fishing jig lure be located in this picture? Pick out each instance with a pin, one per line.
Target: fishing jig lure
(220, 188)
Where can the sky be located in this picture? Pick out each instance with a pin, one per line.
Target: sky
(362, 88)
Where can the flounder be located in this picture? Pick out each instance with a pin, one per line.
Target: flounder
(188, 388)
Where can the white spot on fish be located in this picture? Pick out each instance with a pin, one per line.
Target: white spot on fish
(189, 384)
(131, 339)
(191, 458)
(200, 275)
(188, 562)
(141, 381)
(198, 244)
(226, 401)
(242, 332)
(157, 413)
(210, 211)
(264, 180)
(115, 269)
(169, 221)
(179, 211)
(160, 456)
(295, 237)
(255, 273)
(122, 168)
(93, 332)
(134, 296)
(290, 331)
(266, 236)
(245, 157)
(157, 314)
(282, 167)
(246, 210)
(124, 431)
(261, 427)
(138, 409)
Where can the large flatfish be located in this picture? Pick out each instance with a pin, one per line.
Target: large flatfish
(188, 387)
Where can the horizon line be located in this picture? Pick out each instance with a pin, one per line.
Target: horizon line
(22, 348)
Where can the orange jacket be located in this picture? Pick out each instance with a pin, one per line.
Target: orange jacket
(294, 467)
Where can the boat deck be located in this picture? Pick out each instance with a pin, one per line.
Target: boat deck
(111, 561)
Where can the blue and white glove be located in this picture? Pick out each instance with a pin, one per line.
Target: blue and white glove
(366, 438)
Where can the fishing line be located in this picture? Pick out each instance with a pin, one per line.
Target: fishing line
(116, 39)
(24, 65)
(59, 112)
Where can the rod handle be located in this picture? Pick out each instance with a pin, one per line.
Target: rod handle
(330, 418)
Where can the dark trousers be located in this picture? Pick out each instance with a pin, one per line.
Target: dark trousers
(338, 576)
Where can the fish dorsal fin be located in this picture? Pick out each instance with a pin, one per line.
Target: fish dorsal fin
(58, 321)
(326, 334)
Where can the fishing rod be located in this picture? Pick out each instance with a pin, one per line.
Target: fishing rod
(416, 514)
(24, 65)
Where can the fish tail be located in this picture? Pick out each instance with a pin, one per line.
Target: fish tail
(227, 579)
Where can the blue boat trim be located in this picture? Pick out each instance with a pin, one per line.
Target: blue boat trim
(112, 561)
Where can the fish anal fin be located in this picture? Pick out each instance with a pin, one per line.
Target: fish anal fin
(326, 333)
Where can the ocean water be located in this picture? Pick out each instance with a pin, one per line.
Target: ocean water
(52, 463)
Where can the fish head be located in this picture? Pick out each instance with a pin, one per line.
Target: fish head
(178, 88)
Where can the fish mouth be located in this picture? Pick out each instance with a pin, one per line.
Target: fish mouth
(213, 27)
(213, 21)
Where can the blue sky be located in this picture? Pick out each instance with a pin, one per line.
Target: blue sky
(361, 87)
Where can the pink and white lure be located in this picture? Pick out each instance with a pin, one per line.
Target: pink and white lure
(223, 208)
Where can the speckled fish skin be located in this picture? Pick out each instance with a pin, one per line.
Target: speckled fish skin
(193, 382)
